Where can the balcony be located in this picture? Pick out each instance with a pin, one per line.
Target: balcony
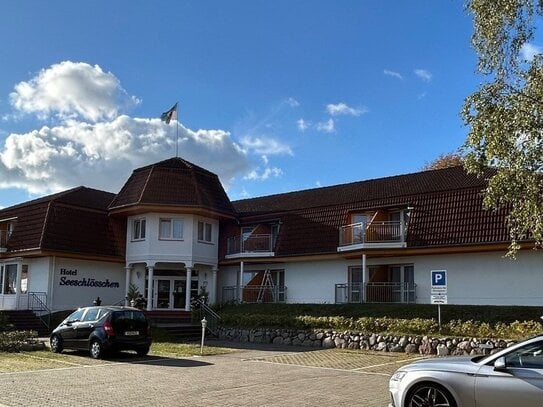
(255, 245)
(378, 292)
(255, 294)
(377, 234)
(4, 235)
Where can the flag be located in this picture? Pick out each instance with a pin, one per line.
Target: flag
(169, 115)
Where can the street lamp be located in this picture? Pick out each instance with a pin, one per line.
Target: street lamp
(204, 325)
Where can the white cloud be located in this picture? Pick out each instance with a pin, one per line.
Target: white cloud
(343, 109)
(103, 155)
(94, 145)
(302, 125)
(327, 126)
(292, 102)
(529, 51)
(70, 90)
(393, 74)
(423, 74)
(262, 175)
(264, 146)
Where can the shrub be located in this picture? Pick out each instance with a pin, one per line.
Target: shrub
(13, 341)
(4, 323)
(391, 320)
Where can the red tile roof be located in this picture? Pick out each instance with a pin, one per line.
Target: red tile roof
(174, 182)
(73, 221)
(447, 211)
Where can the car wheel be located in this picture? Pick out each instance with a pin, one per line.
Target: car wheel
(96, 349)
(56, 344)
(429, 395)
(142, 351)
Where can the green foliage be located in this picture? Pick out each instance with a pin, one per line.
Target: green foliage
(445, 161)
(414, 319)
(4, 323)
(505, 114)
(12, 341)
(133, 292)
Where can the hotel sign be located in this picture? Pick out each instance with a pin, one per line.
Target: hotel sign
(66, 280)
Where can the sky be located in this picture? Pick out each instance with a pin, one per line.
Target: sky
(273, 96)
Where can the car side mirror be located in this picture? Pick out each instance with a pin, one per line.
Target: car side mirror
(499, 364)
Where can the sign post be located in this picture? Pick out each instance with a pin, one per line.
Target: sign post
(439, 290)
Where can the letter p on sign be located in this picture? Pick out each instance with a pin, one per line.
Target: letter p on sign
(439, 278)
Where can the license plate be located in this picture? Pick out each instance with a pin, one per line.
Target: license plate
(132, 333)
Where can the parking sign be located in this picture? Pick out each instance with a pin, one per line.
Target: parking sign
(439, 283)
(439, 278)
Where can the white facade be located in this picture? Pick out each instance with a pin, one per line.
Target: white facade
(184, 248)
(62, 283)
(474, 278)
(169, 249)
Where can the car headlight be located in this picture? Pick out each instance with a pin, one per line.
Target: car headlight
(398, 376)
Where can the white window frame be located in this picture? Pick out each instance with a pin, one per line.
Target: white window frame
(141, 229)
(171, 234)
(205, 232)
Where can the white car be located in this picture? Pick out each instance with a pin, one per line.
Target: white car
(512, 377)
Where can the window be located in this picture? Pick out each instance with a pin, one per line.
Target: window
(527, 356)
(24, 279)
(93, 314)
(204, 231)
(138, 229)
(75, 316)
(10, 279)
(171, 229)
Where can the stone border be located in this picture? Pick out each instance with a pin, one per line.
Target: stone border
(424, 345)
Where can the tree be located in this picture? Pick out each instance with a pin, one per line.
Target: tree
(445, 161)
(505, 115)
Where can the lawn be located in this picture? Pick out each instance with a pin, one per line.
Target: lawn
(163, 346)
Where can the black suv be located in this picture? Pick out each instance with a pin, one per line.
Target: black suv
(103, 329)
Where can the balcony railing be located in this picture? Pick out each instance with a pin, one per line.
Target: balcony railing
(256, 243)
(385, 292)
(254, 294)
(374, 232)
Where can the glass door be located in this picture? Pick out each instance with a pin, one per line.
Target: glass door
(179, 293)
(162, 290)
(355, 284)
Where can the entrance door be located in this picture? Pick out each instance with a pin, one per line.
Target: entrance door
(179, 293)
(163, 294)
(170, 293)
(355, 285)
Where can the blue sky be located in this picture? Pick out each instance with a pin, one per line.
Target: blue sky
(274, 96)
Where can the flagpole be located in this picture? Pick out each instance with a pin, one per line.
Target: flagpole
(177, 130)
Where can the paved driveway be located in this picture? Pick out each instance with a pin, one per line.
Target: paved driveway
(247, 377)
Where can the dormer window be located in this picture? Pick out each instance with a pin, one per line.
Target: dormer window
(138, 229)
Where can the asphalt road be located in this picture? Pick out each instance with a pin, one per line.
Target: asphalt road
(247, 377)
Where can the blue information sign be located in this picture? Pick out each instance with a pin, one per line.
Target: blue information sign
(439, 278)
